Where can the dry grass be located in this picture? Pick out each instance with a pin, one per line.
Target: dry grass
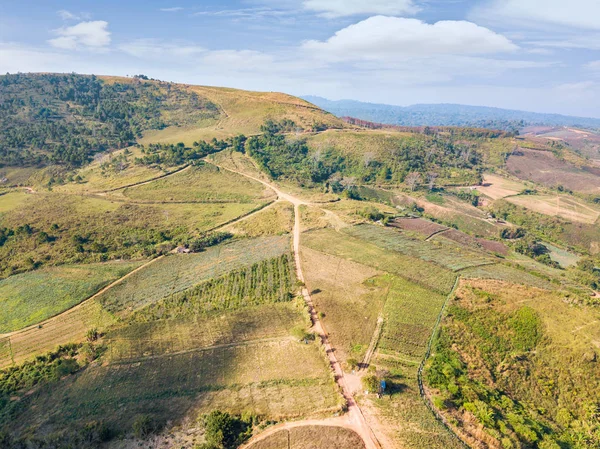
(311, 437)
(558, 205)
(68, 327)
(202, 184)
(13, 199)
(497, 187)
(277, 219)
(344, 292)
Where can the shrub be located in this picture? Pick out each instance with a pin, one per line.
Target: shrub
(143, 426)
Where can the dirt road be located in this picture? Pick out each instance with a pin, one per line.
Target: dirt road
(354, 419)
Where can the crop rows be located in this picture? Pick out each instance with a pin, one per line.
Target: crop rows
(410, 313)
(154, 338)
(276, 373)
(445, 253)
(268, 281)
(180, 272)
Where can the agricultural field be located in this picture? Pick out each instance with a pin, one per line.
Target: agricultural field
(140, 339)
(545, 168)
(404, 421)
(489, 322)
(564, 258)
(567, 207)
(409, 314)
(201, 184)
(273, 379)
(497, 187)
(475, 243)
(447, 254)
(311, 437)
(506, 273)
(349, 298)
(72, 229)
(70, 326)
(176, 273)
(268, 281)
(345, 246)
(420, 226)
(30, 298)
(276, 219)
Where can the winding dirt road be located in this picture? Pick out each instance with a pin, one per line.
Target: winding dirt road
(354, 419)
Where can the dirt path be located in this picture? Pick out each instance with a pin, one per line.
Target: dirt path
(354, 419)
(372, 345)
(94, 296)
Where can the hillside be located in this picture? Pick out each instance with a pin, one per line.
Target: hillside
(448, 115)
(244, 270)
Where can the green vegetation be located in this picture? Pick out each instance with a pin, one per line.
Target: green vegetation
(269, 281)
(327, 160)
(32, 297)
(53, 229)
(445, 253)
(410, 313)
(223, 431)
(66, 119)
(341, 244)
(493, 334)
(203, 183)
(176, 273)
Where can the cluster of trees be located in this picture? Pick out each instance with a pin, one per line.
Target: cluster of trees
(178, 154)
(513, 409)
(65, 119)
(414, 160)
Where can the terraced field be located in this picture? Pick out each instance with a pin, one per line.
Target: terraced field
(176, 273)
(274, 379)
(449, 255)
(32, 297)
(342, 245)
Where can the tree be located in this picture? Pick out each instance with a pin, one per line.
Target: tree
(223, 430)
(371, 383)
(412, 180)
(431, 177)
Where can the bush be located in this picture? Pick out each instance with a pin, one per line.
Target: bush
(143, 426)
(225, 431)
(371, 383)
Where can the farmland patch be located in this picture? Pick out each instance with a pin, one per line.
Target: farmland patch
(345, 246)
(176, 273)
(558, 205)
(311, 437)
(446, 254)
(32, 297)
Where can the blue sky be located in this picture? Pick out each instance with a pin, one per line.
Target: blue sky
(537, 55)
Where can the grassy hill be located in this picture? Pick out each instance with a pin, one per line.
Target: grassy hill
(458, 265)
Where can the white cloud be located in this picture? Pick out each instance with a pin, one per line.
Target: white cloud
(154, 49)
(66, 15)
(571, 13)
(239, 59)
(387, 38)
(593, 66)
(93, 34)
(589, 41)
(342, 8)
(173, 9)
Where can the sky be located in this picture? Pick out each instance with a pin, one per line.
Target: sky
(534, 55)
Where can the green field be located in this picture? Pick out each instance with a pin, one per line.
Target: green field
(176, 273)
(269, 281)
(410, 313)
(411, 268)
(32, 297)
(445, 253)
(502, 272)
(201, 184)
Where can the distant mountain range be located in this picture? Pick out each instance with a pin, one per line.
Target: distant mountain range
(448, 115)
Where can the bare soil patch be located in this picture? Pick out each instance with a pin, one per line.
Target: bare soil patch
(424, 227)
(545, 168)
